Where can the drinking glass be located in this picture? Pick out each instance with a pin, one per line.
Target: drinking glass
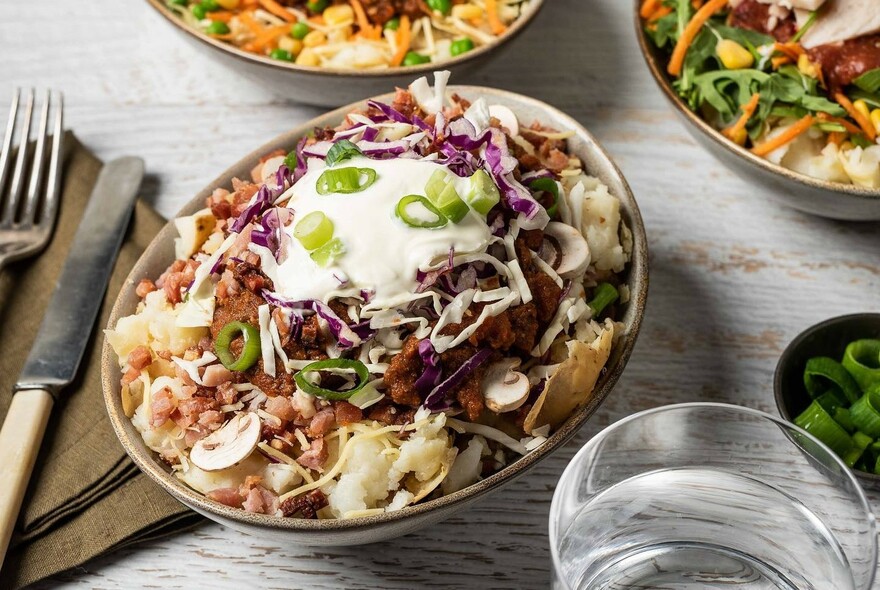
(709, 496)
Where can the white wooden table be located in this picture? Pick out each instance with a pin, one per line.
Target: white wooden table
(733, 276)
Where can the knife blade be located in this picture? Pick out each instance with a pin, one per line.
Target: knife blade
(73, 308)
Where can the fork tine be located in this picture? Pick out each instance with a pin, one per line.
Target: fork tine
(18, 173)
(39, 161)
(53, 182)
(6, 150)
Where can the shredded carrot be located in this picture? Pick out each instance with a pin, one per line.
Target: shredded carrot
(748, 110)
(780, 61)
(403, 41)
(318, 20)
(221, 15)
(251, 23)
(278, 10)
(660, 13)
(837, 138)
(696, 4)
(863, 121)
(790, 134)
(853, 129)
(266, 38)
(495, 23)
(368, 30)
(648, 8)
(249, 4)
(792, 50)
(691, 30)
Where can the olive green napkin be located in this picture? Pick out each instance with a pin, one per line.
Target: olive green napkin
(86, 497)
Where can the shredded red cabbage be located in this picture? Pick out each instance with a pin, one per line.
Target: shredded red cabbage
(430, 378)
(437, 400)
(345, 336)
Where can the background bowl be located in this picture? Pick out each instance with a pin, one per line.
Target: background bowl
(334, 87)
(811, 195)
(828, 338)
(160, 254)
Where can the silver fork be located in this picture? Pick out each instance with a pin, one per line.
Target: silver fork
(27, 218)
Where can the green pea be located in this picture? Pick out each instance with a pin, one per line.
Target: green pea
(281, 54)
(316, 6)
(217, 28)
(210, 5)
(393, 24)
(414, 59)
(199, 11)
(460, 46)
(444, 6)
(299, 30)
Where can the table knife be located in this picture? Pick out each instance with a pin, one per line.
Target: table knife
(64, 334)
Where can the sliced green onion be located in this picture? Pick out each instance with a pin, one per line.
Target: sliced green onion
(345, 180)
(442, 194)
(604, 295)
(460, 46)
(842, 416)
(291, 161)
(548, 185)
(820, 424)
(862, 440)
(250, 351)
(821, 369)
(865, 416)
(342, 150)
(331, 365)
(862, 360)
(435, 219)
(314, 230)
(831, 400)
(329, 252)
(482, 194)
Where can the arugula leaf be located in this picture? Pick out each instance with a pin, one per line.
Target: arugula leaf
(873, 99)
(665, 31)
(726, 90)
(869, 81)
(743, 36)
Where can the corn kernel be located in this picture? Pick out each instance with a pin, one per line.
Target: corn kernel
(862, 107)
(294, 46)
(739, 137)
(339, 35)
(339, 14)
(875, 119)
(806, 67)
(467, 11)
(733, 55)
(307, 57)
(314, 38)
(229, 4)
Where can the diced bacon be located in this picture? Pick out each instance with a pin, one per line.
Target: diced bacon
(322, 422)
(191, 409)
(140, 358)
(162, 406)
(130, 376)
(254, 501)
(164, 354)
(226, 496)
(144, 287)
(227, 286)
(212, 419)
(316, 456)
(347, 413)
(216, 375)
(225, 394)
(280, 406)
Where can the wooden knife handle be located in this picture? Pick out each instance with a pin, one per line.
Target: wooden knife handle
(20, 440)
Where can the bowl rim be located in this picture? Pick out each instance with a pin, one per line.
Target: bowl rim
(637, 279)
(649, 53)
(599, 438)
(784, 360)
(409, 71)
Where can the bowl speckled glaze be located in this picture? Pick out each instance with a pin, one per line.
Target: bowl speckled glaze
(333, 87)
(828, 338)
(819, 197)
(358, 531)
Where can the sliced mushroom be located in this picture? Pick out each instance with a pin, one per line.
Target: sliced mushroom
(504, 389)
(506, 117)
(270, 167)
(574, 248)
(229, 445)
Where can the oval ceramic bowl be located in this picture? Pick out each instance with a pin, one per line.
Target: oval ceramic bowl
(811, 195)
(334, 87)
(160, 254)
(828, 338)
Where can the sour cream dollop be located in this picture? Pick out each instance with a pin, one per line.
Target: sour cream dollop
(382, 253)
